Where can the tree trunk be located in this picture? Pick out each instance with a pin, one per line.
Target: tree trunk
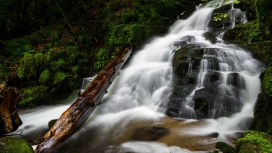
(9, 118)
(76, 115)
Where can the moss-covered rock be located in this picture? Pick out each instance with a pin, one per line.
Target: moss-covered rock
(253, 142)
(262, 114)
(267, 82)
(14, 145)
(251, 37)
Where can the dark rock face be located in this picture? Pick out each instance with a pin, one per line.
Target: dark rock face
(209, 102)
(200, 67)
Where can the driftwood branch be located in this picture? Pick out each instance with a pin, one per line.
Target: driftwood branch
(76, 115)
(9, 115)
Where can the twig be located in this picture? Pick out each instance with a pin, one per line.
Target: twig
(9, 115)
(67, 22)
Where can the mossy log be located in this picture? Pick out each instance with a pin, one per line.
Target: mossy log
(75, 116)
(9, 118)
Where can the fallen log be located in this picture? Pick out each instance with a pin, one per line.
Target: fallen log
(76, 115)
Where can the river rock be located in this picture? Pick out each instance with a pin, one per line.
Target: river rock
(149, 133)
(225, 148)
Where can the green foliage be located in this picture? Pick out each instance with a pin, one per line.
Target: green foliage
(16, 47)
(260, 139)
(264, 14)
(263, 9)
(252, 33)
(130, 22)
(4, 10)
(34, 96)
(101, 55)
(248, 33)
(267, 82)
(219, 16)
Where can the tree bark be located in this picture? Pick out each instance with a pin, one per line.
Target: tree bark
(9, 118)
(76, 115)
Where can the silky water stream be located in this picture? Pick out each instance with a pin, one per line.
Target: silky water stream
(132, 115)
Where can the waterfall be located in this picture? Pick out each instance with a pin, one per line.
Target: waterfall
(140, 94)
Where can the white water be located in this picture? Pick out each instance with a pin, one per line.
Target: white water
(139, 96)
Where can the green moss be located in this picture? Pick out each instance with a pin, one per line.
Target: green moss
(45, 77)
(60, 83)
(16, 47)
(60, 77)
(14, 145)
(267, 82)
(31, 65)
(261, 139)
(246, 33)
(75, 82)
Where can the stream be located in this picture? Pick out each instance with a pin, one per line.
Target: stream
(132, 116)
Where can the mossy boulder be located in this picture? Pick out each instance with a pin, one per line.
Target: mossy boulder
(250, 36)
(14, 145)
(254, 142)
(262, 114)
(267, 82)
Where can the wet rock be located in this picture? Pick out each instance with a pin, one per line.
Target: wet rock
(214, 101)
(219, 23)
(51, 123)
(225, 148)
(212, 35)
(149, 133)
(213, 135)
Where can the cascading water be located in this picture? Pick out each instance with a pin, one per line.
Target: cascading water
(139, 97)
